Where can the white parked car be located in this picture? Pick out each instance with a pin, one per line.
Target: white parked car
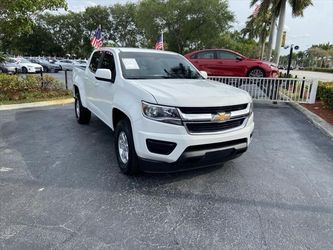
(26, 66)
(166, 116)
(65, 64)
(80, 63)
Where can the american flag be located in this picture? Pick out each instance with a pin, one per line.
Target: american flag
(256, 10)
(96, 40)
(159, 42)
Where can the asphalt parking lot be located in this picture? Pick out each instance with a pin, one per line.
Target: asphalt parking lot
(60, 188)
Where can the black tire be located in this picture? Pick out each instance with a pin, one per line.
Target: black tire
(131, 167)
(82, 114)
(24, 70)
(46, 69)
(256, 72)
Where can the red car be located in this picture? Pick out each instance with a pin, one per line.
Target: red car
(223, 62)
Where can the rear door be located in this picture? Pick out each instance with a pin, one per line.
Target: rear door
(229, 64)
(206, 61)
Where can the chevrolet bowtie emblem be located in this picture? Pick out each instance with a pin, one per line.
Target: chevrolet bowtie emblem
(221, 117)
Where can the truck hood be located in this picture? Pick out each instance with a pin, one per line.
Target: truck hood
(192, 92)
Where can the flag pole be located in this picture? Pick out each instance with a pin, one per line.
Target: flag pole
(162, 40)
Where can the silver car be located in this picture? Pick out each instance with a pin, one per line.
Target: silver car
(9, 67)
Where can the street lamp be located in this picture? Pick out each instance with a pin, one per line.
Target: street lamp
(292, 47)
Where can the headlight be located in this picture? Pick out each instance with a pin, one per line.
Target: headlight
(251, 108)
(161, 113)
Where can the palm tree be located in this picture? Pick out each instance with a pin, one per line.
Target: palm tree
(265, 6)
(279, 9)
(258, 27)
(297, 6)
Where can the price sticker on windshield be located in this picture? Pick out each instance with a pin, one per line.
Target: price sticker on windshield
(130, 63)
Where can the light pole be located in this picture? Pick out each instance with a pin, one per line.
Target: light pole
(290, 56)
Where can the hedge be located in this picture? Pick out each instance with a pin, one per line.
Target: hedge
(325, 93)
(19, 88)
(325, 70)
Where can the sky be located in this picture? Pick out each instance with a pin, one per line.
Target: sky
(315, 27)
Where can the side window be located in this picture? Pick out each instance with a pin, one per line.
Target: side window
(221, 54)
(108, 63)
(205, 55)
(95, 61)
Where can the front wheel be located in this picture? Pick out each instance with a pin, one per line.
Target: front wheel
(82, 114)
(24, 70)
(256, 73)
(125, 150)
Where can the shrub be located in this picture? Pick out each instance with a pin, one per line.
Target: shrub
(325, 70)
(325, 93)
(29, 87)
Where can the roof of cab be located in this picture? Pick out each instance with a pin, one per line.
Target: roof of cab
(125, 49)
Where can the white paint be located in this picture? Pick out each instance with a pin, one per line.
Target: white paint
(41, 189)
(130, 63)
(3, 169)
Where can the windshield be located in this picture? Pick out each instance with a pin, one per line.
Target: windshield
(10, 60)
(23, 60)
(145, 65)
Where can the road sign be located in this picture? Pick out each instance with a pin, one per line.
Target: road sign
(283, 41)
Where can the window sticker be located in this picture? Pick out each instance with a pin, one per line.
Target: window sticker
(130, 63)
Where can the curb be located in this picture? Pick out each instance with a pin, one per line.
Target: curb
(36, 104)
(319, 122)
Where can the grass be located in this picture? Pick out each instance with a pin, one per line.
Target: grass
(35, 99)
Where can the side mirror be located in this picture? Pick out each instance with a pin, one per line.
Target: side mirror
(239, 58)
(103, 75)
(204, 74)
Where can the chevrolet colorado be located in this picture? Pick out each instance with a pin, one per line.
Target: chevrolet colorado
(165, 114)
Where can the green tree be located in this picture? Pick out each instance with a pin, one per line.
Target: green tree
(266, 6)
(258, 27)
(18, 14)
(187, 25)
(236, 41)
(125, 31)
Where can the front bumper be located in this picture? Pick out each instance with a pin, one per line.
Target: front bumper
(34, 69)
(198, 157)
(145, 129)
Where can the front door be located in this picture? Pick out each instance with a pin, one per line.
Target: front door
(229, 64)
(91, 83)
(105, 89)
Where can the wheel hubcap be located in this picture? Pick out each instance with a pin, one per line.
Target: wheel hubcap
(123, 147)
(256, 73)
(77, 108)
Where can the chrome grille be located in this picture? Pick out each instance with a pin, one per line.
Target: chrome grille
(200, 119)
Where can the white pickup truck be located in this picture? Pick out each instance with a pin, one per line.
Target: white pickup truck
(166, 115)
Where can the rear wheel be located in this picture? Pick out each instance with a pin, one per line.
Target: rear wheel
(257, 72)
(82, 114)
(125, 150)
(24, 70)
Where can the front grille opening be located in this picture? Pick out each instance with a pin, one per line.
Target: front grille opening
(209, 127)
(215, 145)
(212, 110)
(160, 147)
